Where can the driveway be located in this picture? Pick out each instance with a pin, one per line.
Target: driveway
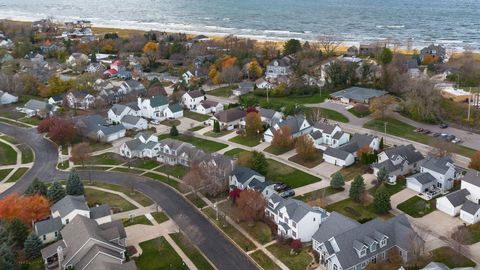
(341, 108)
(206, 236)
(326, 169)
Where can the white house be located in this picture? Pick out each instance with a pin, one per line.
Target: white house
(453, 202)
(187, 77)
(142, 146)
(96, 128)
(7, 98)
(279, 67)
(36, 108)
(118, 111)
(173, 111)
(243, 88)
(134, 122)
(328, 135)
(174, 152)
(152, 108)
(346, 154)
(263, 84)
(69, 207)
(229, 119)
(295, 219)
(131, 86)
(298, 125)
(208, 106)
(75, 58)
(436, 175)
(192, 99)
(48, 229)
(270, 117)
(246, 178)
(400, 160)
(79, 100)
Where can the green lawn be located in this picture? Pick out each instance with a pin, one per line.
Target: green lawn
(106, 159)
(174, 184)
(417, 207)
(177, 171)
(247, 140)
(135, 195)
(116, 202)
(318, 98)
(197, 128)
(14, 123)
(196, 116)
(264, 261)
(196, 200)
(308, 163)
(170, 123)
(316, 194)
(206, 145)
(350, 172)
(401, 129)
(259, 231)
(4, 173)
(136, 220)
(17, 174)
(30, 120)
(27, 153)
(277, 151)
(451, 258)
(191, 251)
(8, 139)
(359, 114)
(217, 134)
(223, 91)
(97, 146)
(334, 115)
(298, 261)
(353, 210)
(392, 189)
(279, 172)
(158, 254)
(160, 217)
(147, 164)
(63, 165)
(234, 152)
(8, 156)
(228, 229)
(128, 170)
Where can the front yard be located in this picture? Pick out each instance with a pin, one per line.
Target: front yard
(225, 91)
(334, 115)
(359, 212)
(177, 171)
(158, 254)
(234, 152)
(298, 261)
(417, 207)
(308, 163)
(170, 182)
(451, 258)
(264, 261)
(135, 195)
(217, 134)
(117, 203)
(143, 220)
(206, 145)
(279, 172)
(313, 196)
(276, 150)
(250, 141)
(191, 251)
(351, 171)
(8, 156)
(105, 159)
(196, 116)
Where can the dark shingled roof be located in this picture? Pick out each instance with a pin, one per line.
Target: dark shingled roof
(358, 93)
(424, 178)
(438, 164)
(47, 226)
(472, 177)
(458, 197)
(230, 115)
(470, 207)
(100, 211)
(195, 93)
(243, 173)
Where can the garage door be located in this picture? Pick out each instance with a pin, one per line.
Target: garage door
(414, 186)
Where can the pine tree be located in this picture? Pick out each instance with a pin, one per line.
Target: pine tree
(74, 185)
(32, 245)
(93, 57)
(381, 200)
(216, 126)
(259, 162)
(381, 145)
(337, 181)
(36, 187)
(382, 175)
(18, 231)
(174, 131)
(7, 257)
(56, 192)
(357, 188)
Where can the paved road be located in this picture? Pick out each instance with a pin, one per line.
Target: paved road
(221, 252)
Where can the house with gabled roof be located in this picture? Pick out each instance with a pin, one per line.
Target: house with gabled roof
(209, 106)
(357, 94)
(69, 207)
(436, 175)
(152, 108)
(270, 117)
(89, 246)
(7, 98)
(132, 86)
(79, 100)
(298, 125)
(96, 128)
(117, 112)
(326, 135)
(37, 108)
(346, 154)
(133, 122)
(279, 67)
(142, 146)
(464, 202)
(229, 119)
(173, 111)
(343, 243)
(441, 266)
(175, 152)
(295, 219)
(48, 229)
(243, 89)
(192, 99)
(400, 160)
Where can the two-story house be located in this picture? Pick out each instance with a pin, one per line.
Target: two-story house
(464, 202)
(328, 135)
(192, 99)
(174, 152)
(246, 178)
(298, 126)
(142, 146)
(346, 154)
(132, 86)
(400, 160)
(118, 111)
(295, 219)
(270, 117)
(345, 244)
(152, 108)
(279, 67)
(436, 174)
(79, 100)
(209, 106)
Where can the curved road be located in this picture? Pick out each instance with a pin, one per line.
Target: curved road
(219, 250)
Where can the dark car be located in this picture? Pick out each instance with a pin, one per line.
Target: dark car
(436, 134)
(288, 193)
(443, 125)
(279, 186)
(450, 138)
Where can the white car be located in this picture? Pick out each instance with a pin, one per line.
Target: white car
(155, 122)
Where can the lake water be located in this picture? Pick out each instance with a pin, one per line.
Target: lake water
(454, 23)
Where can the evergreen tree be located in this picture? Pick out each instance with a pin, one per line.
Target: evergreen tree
(7, 257)
(18, 231)
(174, 131)
(357, 188)
(36, 187)
(386, 56)
(56, 192)
(337, 181)
(381, 200)
(381, 145)
(292, 46)
(216, 126)
(32, 245)
(382, 175)
(74, 185)
(259, 162)
(93, 57)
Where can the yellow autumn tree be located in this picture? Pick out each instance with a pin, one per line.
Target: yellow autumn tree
(254, 69)
(213, 74)
(151, 50)
(228, 61)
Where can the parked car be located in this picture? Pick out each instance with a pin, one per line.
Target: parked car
(419, 130)
(451, 138)
(443, 125)
(280, 186)
(155, 122)
(456, 140)
(436, 134)
(288, 193)
(426, 131)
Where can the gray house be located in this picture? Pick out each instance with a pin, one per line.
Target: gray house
(89, 246)
(48, 229)
(343, 243)
(356, 94)
(436, 52)
(400, 160)
(96, 128)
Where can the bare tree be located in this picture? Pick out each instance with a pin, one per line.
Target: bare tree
(231, 74)
(315, 115)
(441, 148)
(194, 180)
(417, 242)
(328, 44)
(80, 153)
(459, 237)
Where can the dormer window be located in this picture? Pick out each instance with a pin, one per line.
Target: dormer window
(383, 242)
(363, 252)
(373, 247)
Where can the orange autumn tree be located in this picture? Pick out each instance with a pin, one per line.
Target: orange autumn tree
(151, 50)
(25, 208)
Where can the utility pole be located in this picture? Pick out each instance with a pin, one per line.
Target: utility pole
(384, 141)
(469, 104)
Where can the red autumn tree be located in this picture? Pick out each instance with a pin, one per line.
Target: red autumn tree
(234, 194)
(250, 205)
(59, 130)
(25, 208)
(475, 161)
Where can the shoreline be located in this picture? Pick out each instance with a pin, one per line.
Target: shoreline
(279, 41)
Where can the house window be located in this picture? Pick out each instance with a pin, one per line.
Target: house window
(383, 242)
(56, 234)
(67, 221)
(373, 247)
(294, 234)
(335, 267)
(363, 252)
(44, 237)
(294, 224)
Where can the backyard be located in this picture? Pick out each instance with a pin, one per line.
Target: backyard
(334, 115)
(279, 172)
(264, 261)
(196, 116)
(417, 207)
(298, 261)
(357, 211)
(315, 161)
(158, 254)
(116, 202)
(206, 145)
(250, 141)
(225, 91)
